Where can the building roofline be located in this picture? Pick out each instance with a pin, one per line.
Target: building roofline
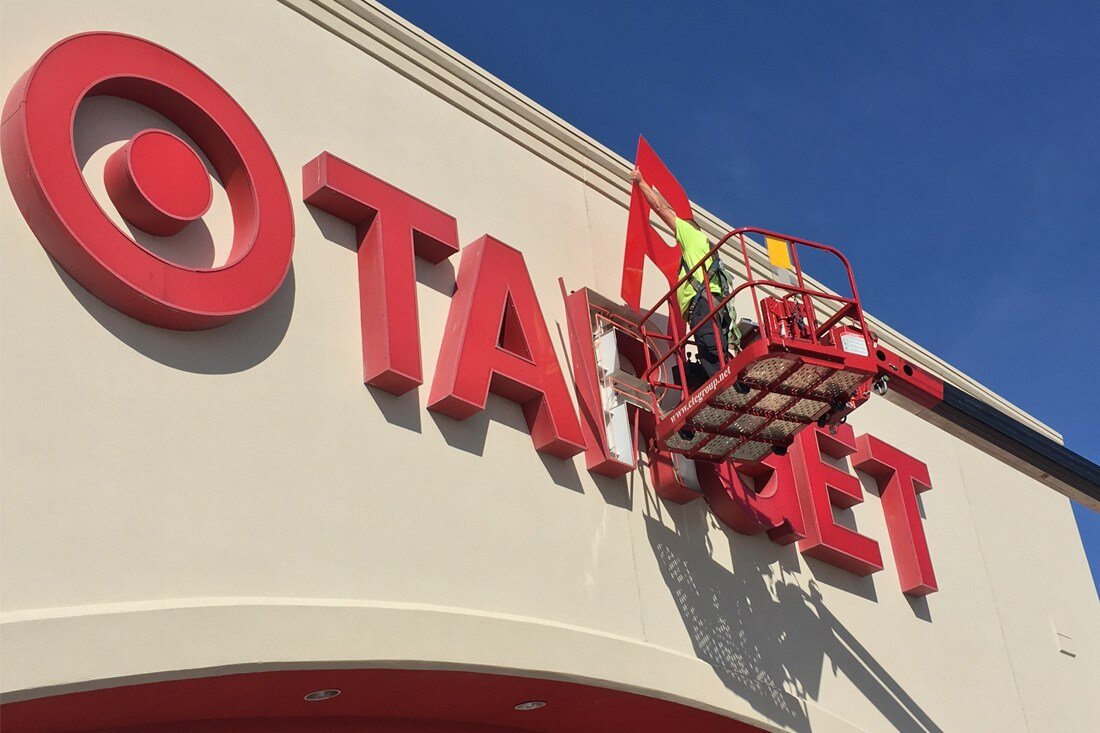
(423, 59)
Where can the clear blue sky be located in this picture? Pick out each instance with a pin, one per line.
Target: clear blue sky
(915, 136)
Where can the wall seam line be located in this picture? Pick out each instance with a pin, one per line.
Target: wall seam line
(992, 586)
(451, 69)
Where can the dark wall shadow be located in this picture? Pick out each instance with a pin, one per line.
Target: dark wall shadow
(615, 491)
(239, 345)
(831, 575)
(402, 411)
(102, 121)
(439, 277)
(562, 472)
(334, 229)
(920, 607)
(193, 247)
(467, 435)
(731, 620)
(470, 435)
(766, 637)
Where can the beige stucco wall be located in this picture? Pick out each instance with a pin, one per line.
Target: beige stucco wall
(175, 502)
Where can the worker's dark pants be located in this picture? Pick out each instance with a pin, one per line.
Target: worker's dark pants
(706, 344)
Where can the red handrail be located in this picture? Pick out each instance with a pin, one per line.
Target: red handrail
(849, 307)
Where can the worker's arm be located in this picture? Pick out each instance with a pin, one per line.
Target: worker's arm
(656, 201)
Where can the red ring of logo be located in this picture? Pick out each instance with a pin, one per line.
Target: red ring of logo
(40, 163)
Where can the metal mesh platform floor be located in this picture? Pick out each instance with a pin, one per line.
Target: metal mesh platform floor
(757, 402)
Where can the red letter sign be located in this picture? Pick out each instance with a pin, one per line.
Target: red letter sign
(770, 505)
(822, 486)
(586, 375)
(37, 144)
(586, 385)
(496, 339)
(900, 478)
(642, 240)
(392, 227)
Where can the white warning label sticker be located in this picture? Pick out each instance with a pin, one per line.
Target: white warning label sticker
(853, 343)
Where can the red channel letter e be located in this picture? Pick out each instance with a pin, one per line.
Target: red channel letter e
(821, 486)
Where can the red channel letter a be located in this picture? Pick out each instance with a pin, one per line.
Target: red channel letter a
(496, 340)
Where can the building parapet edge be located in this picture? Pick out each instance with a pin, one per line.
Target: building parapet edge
(421, 57)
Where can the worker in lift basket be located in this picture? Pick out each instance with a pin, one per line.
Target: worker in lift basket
(691, 296)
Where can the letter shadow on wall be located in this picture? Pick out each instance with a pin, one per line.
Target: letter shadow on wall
(471, 434)
(404, 410)
(235, 347)
(766, 637)
(239, 345)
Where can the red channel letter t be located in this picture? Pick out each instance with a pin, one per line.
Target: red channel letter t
(392, 227)
(900, 478)
(496, 340)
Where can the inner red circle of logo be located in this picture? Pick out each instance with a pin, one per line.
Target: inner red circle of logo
(40, 164)
(158, 183)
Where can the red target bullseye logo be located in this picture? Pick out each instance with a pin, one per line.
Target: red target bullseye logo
(156, 181)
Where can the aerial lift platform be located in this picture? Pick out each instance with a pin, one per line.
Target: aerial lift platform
(793, 367)
(796, 366)
(809, 358)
